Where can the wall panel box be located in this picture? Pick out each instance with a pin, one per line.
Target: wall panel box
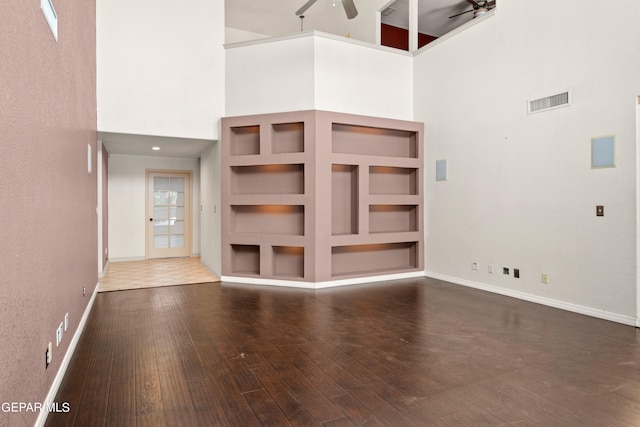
(245, 259)
(288, 138)
(246, 140)
(344, 199)
(267, 179)
(288, 261)
(316, 198)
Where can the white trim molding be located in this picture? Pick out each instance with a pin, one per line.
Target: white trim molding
(53, 391)
(575, 308)
(320, 285)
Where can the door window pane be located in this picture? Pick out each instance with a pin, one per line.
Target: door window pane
(177, 184)
(176, 198)
(160, 198)
(160, 183)
(177, 241)
(176, 213)
(161, 213)
(160, 227)
(177, 227)
(161, 241)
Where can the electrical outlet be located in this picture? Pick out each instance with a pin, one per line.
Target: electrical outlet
(59, 334)
(475, 265)
(544, 278)
(516, 273)
(47, 355)
(491, 269)
(84, 291)
(505, 271)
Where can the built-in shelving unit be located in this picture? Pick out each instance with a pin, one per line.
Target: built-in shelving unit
(316, 196)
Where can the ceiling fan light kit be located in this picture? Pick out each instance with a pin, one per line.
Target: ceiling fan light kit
(479, 12)
(479, 8)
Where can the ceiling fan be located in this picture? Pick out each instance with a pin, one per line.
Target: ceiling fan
(349, 8)
(479, 8)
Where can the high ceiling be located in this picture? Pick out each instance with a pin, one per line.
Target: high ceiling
(277, 17)
(433, 15)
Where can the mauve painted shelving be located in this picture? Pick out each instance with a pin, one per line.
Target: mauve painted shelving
(317, 196)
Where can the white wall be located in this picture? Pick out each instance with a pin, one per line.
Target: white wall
(365, 26)
(235, 35)
(160, 67)
(127, 198)
(521, 193)
(269, 76)
(318, 71)
(360, 78)
(210, 248)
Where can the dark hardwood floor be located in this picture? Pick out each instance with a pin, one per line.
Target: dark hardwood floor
(412, 352)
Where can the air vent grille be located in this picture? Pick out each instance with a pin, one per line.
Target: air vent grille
(388, 11)
(553, 101)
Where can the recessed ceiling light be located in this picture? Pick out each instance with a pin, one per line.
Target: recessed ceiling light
(155, 148)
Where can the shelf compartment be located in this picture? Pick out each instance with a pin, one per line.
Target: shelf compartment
(344, 199)
(371, 238)
(245, 259)
(268, 219)
(268, 179)
(288, 261)
(393, 180)
(245, 140)
(376, 258)
(352, 139)
(393, 218)
(287, 138)
(269, 199)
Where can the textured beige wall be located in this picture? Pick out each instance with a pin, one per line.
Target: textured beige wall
(47, 197)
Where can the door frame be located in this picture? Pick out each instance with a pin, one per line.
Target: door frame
(637, 211)
(188, 208)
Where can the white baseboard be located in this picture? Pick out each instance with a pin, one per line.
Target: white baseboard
(102, 273)
(320, 285)
(49, 401)
(133, 258)
(575, 308)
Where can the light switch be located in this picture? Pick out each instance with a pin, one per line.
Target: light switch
(600, 210)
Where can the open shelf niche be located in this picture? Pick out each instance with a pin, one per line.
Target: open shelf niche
(317, 197)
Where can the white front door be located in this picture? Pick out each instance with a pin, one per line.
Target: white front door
(169, 214)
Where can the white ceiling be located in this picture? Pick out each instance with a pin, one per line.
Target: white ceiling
(277, 17)
(433, 15)
(140, 145)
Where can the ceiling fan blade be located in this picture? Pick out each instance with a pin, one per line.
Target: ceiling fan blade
(350, 8)
(305, 6)
(462, 13)
(474, 3)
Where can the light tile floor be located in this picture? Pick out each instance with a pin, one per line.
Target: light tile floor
(154, 273)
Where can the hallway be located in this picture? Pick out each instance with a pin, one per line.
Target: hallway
(155, 273)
